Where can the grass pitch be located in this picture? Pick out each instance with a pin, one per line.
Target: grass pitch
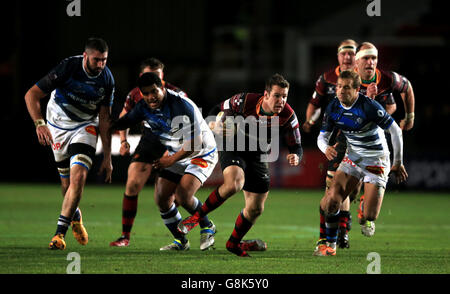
(412, 235)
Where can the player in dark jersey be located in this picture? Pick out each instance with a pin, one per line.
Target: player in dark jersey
(382, 85)
(325, 91)
(363, 122)
(148, 150)
(82, 92)
(248, 170)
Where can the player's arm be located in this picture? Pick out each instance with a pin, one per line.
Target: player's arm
(33, 101)
(409, 103)
(104, 127)
(312, 115)
(187, 150)
(124, 145)
(398, 169)
(293, 141)
(324, 137)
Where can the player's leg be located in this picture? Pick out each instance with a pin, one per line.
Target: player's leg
(234, 178)
(254, 207)
(164, 199)
(341, 186)
(373, 199)
(138, 174)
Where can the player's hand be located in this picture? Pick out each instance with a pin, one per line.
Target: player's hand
(124, 148)
(164, 162)
(44, 135)
(293, 159)
(331, 152)
(406, 125)
(306, 127)
(372, 90)
(399, 173)
(225, 130)
(106, 168)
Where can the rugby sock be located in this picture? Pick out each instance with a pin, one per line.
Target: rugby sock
(331, 227)
(77, 215)
(63, 225)
(204, 221)
(214, 200)
(171, 218)
(345, 220)
(241, 227)
(322, 233)
(129, 210)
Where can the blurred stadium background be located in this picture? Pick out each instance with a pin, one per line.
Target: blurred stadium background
(214, 49)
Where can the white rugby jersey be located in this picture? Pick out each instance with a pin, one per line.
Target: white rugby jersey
(363, 125)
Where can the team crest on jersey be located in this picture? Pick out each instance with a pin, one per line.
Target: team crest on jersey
(200, 162)
(91, 130)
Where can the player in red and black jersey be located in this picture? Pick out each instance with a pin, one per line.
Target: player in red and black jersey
(141, 164)
(248, 170)
(325, 91)
(382, 85)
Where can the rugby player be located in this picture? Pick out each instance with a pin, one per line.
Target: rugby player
(362, 120)
(140, 167)
(82, 92)
(382, 85)
(189, 160)
(246, 170)
(325, 91)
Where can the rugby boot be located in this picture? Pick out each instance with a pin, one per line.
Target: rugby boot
(57, 242)
(207, 237)
(188, 223)
(123, 241)
(176, 245)
(253, 245)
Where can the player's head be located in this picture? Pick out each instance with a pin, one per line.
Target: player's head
(152, 89)
(152, 65)
(346, 54)
(347, 87)
(366, 60)
(275, 94)
(95, 55)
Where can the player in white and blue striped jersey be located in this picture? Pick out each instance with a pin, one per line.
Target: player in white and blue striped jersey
(177, 123)
(363, 121)
(81, 92)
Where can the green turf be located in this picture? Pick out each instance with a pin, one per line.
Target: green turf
(412, 236)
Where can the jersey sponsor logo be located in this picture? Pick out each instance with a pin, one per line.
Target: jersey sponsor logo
(91, 130)
(378, 170)
(56, 146)
(347, 160)
(200, 162)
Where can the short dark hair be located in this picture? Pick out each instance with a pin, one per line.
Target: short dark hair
(153, 63)
(96, 44)
(277, 80)
(351, 75)
(149, 79)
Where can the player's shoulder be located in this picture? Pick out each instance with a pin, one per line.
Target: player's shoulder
(331, 76)
(71, 63)
(174, 88)
(287, 111)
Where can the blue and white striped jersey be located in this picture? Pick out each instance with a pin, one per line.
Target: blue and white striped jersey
(76, 97)
(177, 120)
(363, 125)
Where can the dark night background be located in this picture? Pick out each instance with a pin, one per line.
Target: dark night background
(214, 49)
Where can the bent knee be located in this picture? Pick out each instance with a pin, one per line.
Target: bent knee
(234, 186)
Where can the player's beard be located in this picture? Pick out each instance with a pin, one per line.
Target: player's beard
(92, 70)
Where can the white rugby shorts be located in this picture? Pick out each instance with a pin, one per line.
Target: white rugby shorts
(201, 167)
(374, 170)
(62, 138)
